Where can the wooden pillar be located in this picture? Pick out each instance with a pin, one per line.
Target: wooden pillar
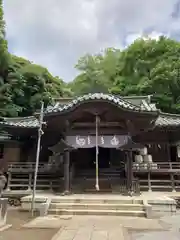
(66, 164)
(30, 181)
(173, 183)
(168, 152)
(129, 172)
(149, 181)
(71, 175)
(66, 172)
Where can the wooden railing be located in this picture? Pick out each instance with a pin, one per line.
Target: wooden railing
(160, 185)
(20, 176)
(103, 173)
(106, 184)
(24, 181)
(30, 166)
(43, 167)
(158, 167)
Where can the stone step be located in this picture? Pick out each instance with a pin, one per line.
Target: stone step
(96, 200)
(97, 212)
(93, 206)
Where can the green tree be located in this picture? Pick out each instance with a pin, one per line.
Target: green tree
(97, 72)
(145, 67)
(4, 55)
(151, 67)
(26, 85)
(4, 62)
(23, 84)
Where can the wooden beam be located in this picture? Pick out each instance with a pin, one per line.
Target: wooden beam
(101, 124)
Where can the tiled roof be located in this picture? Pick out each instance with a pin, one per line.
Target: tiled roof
(117, 100)
(22, 122)
(168, 120)
(163, 120)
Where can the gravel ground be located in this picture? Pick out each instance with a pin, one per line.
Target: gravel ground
(17, 232)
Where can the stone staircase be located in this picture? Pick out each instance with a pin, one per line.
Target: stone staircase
(95, 206)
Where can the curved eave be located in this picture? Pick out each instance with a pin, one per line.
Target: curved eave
(114, 100)
(167, 120)
(23, 122)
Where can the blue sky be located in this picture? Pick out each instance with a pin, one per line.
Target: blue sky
(55, 33)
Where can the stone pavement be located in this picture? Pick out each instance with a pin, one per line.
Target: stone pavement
(89, 233)
(94, 227)
(110, 227)
(157, 235)
(173, 234)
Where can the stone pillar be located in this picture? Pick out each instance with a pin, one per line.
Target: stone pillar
(3, 211)
(8, 181)
(66, 172)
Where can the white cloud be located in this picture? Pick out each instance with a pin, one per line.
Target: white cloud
(153, 35)
(55, 33)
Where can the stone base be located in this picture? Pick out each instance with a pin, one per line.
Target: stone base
(78, 203)
(3, 210)
(5, 227)
(164, 206)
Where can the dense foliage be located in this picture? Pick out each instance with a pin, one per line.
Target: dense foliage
(22, 84)
(98, 72)
(145, 67)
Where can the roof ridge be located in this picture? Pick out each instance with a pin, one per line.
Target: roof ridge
(146, 105)
(138, 96)
(118, 100)
(19, 118)
(100, 94)
(120, 97)
(168, 114)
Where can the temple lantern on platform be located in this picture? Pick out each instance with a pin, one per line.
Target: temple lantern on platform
(138, 159)
(147, 158)
(153, 166)
(135, 166)
(144, 166)
(143, 151)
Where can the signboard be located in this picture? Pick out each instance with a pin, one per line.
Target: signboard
(108, 141)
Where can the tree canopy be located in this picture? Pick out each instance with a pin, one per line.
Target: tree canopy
(145, 67)
(98, 72)
(23, 84)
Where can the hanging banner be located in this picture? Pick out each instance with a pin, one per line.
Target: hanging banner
(107, 141)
